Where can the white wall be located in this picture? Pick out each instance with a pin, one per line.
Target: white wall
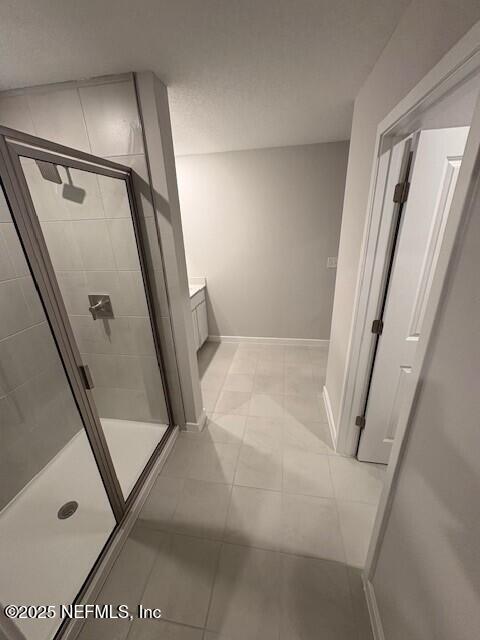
(259, 225)
(180, 348)
(428, 29)
(427, 580)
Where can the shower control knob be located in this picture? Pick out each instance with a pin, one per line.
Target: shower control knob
(100, 306)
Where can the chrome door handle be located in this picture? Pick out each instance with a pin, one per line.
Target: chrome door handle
(86, 376)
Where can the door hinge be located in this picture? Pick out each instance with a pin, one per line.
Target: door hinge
(377, 326)
(400, 194)
(360, 421)
(86, 376)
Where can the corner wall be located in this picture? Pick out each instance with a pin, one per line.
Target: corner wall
(180, 349)
(260, 225)
(427, 30)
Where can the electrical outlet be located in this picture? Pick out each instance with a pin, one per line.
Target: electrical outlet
(331, 263)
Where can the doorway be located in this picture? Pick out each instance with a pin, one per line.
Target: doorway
(84, 406)
(420, 197)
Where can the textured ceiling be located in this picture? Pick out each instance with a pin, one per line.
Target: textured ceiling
(241, 73)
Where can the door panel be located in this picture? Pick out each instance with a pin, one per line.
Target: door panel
(88, 230)
(45, 456)
(435, 169)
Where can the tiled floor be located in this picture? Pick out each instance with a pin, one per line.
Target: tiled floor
(256, 529)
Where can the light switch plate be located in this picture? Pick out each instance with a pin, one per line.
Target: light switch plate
(331, 263)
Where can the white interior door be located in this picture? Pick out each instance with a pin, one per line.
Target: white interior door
(433, 178)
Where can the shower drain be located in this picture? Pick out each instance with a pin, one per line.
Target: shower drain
(67, 510)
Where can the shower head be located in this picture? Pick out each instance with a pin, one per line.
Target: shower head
(71, 192)
(51, 173)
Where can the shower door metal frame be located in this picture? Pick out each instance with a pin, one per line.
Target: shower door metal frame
(13, 146)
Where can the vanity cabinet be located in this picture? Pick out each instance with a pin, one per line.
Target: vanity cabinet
(199, 317)
(201, 312)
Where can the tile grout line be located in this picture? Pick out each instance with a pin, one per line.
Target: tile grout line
(221, 540)
(282, 492)
(214, 580)
(344, 547)
(149, 574)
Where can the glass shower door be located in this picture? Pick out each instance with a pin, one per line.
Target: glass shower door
(93, 241)
(55, 516)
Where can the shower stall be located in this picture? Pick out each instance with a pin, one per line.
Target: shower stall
(84, 406)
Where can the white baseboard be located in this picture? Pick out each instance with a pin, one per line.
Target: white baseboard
(288, 342)
(372, 605)
(329, 412)
(197, 426)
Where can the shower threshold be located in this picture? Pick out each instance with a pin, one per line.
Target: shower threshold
(131, 454)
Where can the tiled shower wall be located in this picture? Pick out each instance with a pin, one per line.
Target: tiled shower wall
(92, 244)
(37, 413)
(92, 249)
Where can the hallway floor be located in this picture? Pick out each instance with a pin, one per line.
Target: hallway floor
(255, 529)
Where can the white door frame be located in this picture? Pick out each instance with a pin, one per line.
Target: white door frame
(465, 193)
(459, 64)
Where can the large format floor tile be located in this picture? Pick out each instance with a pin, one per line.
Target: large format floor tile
(266, 405)
(360, 608)
(260, 468)
(306, 434)
(355, 480)
(223, 427)
(255, 528)
(202, 509)
(210, 397)
(236, 402)
(199, 460)
(297, 355)
(263, 433)
(310, 527)
(161, 630)
(214, 379)
(125, 583)
(182, 578)
(239, 382)
(304, 407)
(268, 367)
(356, 523)
(215, 462)
(315, 600)
(269, 382)
(299, 379)
(158, 509)
(181, 458)
(245, 365)
(255, 518)
(246, 596)
(306, 473)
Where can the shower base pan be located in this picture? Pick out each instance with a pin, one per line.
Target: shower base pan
(45, 559)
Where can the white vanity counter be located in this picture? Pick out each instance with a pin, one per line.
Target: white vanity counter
(195, 288)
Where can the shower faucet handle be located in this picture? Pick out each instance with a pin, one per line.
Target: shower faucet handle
(100, 306)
